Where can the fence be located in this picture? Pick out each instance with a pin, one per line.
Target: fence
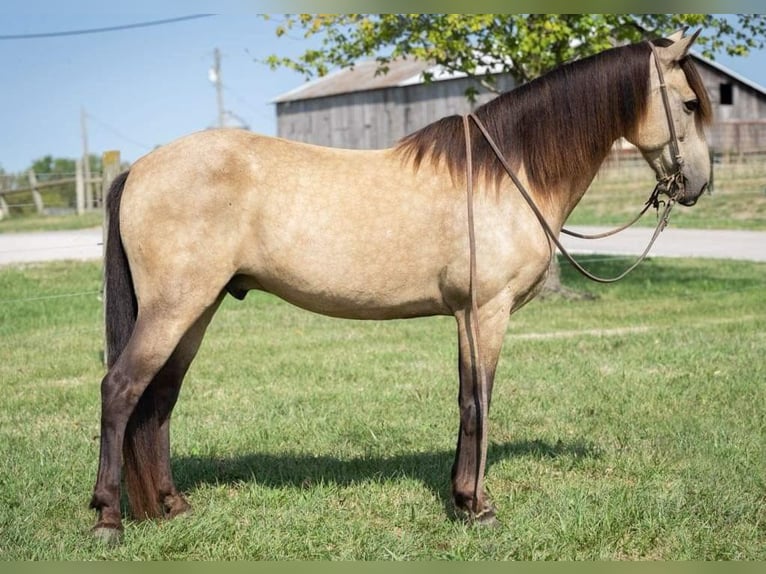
(737, 147)
(735, 171)
(58, 192)
(737, 140)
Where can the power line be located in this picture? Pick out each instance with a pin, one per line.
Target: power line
(117, 132)
(247, 104)
(105, 29)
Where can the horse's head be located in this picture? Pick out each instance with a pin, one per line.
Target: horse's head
(687, 107)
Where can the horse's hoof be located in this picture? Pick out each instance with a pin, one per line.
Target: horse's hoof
(108, 535)
(486, 519)
(177, 506)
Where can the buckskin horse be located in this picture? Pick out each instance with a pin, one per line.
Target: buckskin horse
(373, 234)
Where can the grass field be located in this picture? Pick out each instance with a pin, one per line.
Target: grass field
(37, 222)
(628, 427)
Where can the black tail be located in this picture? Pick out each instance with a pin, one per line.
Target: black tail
(121, 306)
(141, 441)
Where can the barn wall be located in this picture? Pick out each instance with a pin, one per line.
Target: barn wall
(738, 127)
(376, 118)
(747, 103)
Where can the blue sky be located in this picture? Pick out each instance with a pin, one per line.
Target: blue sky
(140, 87)
(144, 87)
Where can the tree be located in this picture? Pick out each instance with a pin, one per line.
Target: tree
(48, 169)
(526, 45)
(523, 45)
(62, 165)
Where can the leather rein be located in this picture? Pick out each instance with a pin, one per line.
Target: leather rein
(669, 185)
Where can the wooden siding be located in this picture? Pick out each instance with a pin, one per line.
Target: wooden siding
(738, 127)
(377, 118)
(747, 102)
(374, 119)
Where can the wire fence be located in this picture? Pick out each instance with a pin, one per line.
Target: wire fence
(589, 258)
(97, 294)
(748, 162)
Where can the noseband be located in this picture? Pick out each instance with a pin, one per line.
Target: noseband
(675, 182)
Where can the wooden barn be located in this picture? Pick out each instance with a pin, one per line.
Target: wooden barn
(357, 108)
(739, 109)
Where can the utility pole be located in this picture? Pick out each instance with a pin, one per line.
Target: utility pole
(86, 159)
(215, 77)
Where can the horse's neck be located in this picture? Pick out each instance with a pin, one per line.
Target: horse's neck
(571, 167)
(558, 203)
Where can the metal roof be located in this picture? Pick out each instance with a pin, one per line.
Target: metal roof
(363, 77)
(731, 73)
(405, 72)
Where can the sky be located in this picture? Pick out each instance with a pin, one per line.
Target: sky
(143, 87)
(139, 87)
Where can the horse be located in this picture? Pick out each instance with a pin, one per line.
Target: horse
(368, 234)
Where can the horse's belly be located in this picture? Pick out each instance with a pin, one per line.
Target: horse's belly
(374, 296)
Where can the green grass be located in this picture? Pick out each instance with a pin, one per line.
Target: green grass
(36, 222)
(628, 427)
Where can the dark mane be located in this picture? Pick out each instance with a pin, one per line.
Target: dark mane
(587, 104)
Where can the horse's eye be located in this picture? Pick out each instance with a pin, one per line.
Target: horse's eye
(691, 106)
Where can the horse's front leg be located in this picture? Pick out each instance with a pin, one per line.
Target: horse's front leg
(468, 492)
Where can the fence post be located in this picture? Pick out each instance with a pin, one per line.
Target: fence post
(79, 187)
(110, 168)
(36, 197)
(3, 206)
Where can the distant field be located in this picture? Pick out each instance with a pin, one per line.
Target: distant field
(628, 427)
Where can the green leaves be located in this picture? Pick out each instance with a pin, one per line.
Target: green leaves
(524, 45)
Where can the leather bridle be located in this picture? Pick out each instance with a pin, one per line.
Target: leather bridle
(669, 185)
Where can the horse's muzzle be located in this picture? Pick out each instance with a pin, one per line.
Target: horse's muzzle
(689, 200)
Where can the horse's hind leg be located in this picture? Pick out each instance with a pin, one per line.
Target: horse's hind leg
(148, 469)
(468, 493)
(154, 340)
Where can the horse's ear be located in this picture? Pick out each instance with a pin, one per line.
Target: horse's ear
(677, 35)
(679, 48)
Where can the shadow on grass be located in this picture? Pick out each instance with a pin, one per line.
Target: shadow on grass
(304, 470)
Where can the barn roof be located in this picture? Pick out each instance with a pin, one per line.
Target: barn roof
(363, 77)
(404, 72)
(731, 73)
